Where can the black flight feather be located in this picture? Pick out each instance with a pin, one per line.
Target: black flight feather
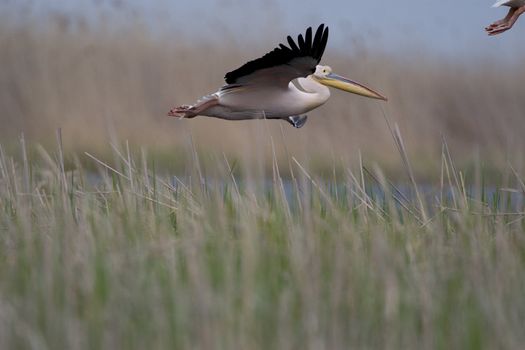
(308, 40)
(292, 44)
(282, 55)
(301, 44)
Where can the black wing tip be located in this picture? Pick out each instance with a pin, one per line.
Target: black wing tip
(324, 31)
(322, 28)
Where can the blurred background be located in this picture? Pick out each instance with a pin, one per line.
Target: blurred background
(110, 70)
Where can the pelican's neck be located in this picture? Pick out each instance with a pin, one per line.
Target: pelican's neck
(311, 86)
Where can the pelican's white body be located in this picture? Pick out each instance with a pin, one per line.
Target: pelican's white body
(269, 101)
(509, 3)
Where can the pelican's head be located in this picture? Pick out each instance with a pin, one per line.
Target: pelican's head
(324, 75)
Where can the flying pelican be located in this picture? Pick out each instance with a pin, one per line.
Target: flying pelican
(283, 84)
(517, 8)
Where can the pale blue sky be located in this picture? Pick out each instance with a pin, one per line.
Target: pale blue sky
(448, 27)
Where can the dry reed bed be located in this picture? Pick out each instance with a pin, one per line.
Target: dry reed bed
(101, 84)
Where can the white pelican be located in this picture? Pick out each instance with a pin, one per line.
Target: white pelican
(283, 84)
(517, 8)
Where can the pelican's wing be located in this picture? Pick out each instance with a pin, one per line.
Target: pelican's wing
(500, 3)
(510, 3)
(284, 63)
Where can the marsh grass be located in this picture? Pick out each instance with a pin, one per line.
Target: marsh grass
(133, 258)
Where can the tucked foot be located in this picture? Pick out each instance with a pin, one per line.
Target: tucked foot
(297, 121)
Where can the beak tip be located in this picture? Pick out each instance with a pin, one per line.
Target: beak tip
(380, 97)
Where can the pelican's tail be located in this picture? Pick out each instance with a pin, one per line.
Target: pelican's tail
(184, 111)
(201, 106)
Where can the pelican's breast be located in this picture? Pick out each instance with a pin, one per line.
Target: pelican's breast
(274, 101)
